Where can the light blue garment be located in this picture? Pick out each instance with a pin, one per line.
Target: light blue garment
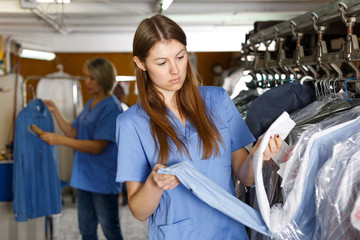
(209, 192)
(337, 188)
(319, 153)
(97, 172)
(180, 214)
(36, 182)
(315, 149)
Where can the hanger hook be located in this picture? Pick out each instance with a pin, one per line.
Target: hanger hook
(60, 67)
(331, 87)
(317, 93)
(346, 92)
(336, 79)
(321, 83)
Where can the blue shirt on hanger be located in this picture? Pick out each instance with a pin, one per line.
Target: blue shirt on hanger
(36, 182)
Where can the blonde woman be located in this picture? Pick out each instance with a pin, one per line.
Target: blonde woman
(92, 135)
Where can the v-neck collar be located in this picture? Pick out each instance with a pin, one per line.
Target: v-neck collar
(185, 130)
(176, 120)
(98, 104)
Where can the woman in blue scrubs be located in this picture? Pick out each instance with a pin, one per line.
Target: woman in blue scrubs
(175, 120)
(92, 135)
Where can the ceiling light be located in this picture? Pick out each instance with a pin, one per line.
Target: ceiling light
(165, 4)
(35, 50)
(53, 1)
(35, 54)
(125, 78)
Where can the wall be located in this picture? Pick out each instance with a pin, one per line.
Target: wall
(73, 63)
(205, 62)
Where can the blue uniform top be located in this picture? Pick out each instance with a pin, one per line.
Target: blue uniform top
(180, 214)
(36, 182)
(97, 172)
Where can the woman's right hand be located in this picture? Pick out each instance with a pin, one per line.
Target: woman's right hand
(50, 105)
(164, 181)
(51, 138)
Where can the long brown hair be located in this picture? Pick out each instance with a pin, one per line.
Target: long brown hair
(188, 99)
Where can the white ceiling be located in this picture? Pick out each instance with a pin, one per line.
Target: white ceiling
(109, 25)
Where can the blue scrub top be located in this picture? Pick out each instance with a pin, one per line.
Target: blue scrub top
(97, 172)
(180, 214)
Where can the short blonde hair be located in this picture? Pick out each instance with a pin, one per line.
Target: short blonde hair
(103, 71)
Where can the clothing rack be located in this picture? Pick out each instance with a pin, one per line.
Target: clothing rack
(318, 20)
(325, 15)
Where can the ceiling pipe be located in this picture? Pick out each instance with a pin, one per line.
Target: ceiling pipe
(49, 21)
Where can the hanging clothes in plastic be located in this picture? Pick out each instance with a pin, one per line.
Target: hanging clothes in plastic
(65, 91)
(263, 111)
(337, 188)
(292, 220)
(316, 112)
(305, 119)
(36, 183)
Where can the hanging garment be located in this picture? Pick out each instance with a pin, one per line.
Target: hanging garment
(65, 91)
(316, 112)
(292, 220)
(337, 188)
(271, 104)
(36, 183)
(355, 215)
(217, 197)
(232, 79)
(281, 126)
(320, 109)
(244, 100)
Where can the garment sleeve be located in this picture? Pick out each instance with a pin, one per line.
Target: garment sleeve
(104, 128)
(239, 132)
(19, 190)
(75, 122)
(132, 160)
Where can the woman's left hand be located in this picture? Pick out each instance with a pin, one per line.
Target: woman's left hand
(272, 149)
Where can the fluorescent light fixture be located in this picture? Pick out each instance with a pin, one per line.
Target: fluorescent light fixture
(165, 4)
(125, 78)
(53, 1)
(34, 54)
